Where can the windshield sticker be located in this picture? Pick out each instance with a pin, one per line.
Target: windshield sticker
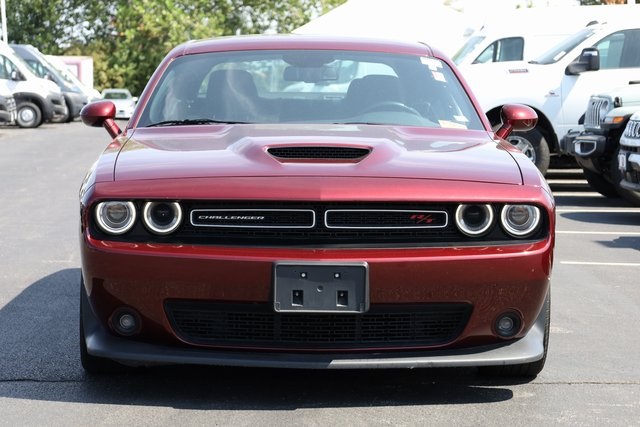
(432, 63)
(460, 118)
(451, 125)
(438, 76)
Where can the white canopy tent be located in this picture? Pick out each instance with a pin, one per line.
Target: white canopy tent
(429, 21)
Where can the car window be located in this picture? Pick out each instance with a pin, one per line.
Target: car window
(306, 86)
(507, 49)
(560, 50)
(467, 48)
(7, 67)
(115, 95)
(620, 50)
(36, 67)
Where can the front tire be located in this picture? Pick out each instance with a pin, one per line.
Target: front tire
(534, 145)
(601, 184)
(29, 115)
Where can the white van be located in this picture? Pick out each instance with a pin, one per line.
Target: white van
(524, 34)
(37, 100)
(558, 83)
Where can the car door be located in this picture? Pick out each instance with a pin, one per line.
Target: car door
(619, 65)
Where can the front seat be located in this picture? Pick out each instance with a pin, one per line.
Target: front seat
(365, 92)
(232, 96)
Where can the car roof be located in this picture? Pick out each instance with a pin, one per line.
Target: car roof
(303, 41)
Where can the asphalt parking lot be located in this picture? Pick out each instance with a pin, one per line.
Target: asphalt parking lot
(592, 376)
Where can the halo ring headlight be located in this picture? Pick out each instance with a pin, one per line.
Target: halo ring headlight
(474, 220)
(115, 217)
(520, 220)
(162, 217)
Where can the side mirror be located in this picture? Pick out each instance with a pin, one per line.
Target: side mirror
(516, 117)
(589, 61)
(101, 113)
(16, 76)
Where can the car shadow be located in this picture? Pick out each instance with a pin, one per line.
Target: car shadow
(630, 217)
(39, 360)
(624, 242)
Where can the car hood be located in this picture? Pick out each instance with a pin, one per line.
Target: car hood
(244, 151)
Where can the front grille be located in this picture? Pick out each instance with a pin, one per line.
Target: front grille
(306, 224)
(592, 118)
(632, 130)
(385, 219)
(369, 231)
(253, 218)
(319, 152)
(258, 326)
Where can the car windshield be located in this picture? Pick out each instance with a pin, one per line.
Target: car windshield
(467, 48)
(560, 50)
(309, 86)
(116, 95)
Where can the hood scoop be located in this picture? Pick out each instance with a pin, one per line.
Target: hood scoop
(320, 153)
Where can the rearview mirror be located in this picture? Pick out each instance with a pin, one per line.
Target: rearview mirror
(589, 61)
(310, 74)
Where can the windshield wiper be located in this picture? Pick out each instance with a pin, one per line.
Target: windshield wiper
(193, 122)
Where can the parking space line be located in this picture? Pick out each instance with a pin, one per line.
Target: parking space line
(610, 233)
(607, 264)
(601, 210)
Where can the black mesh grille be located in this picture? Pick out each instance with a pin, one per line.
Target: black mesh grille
(315, 152)
(257, 325)
(385, 219)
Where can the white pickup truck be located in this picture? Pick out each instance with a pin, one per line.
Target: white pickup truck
(558, 83)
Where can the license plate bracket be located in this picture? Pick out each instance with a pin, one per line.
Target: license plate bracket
(321, 287)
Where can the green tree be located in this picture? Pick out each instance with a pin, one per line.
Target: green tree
(53, 25)
(145, 30)
(128, 38)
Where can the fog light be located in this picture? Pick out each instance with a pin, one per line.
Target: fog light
(125, 322)
(508, 324)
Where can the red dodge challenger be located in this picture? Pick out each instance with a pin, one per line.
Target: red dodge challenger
(312, 202)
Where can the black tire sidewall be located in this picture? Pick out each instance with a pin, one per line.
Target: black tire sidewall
(36, 112)
(539, 144)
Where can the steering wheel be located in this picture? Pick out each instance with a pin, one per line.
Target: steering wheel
(391, 106)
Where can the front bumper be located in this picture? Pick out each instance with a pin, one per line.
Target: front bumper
(492, 280)
(101, 343)
(75, 102)
(585, 145)
(8, 110)
(58, 107)
(629, 165)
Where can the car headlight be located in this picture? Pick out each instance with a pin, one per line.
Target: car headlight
(520, 220)
(115, 217)
(162, 217)
(474, 220)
